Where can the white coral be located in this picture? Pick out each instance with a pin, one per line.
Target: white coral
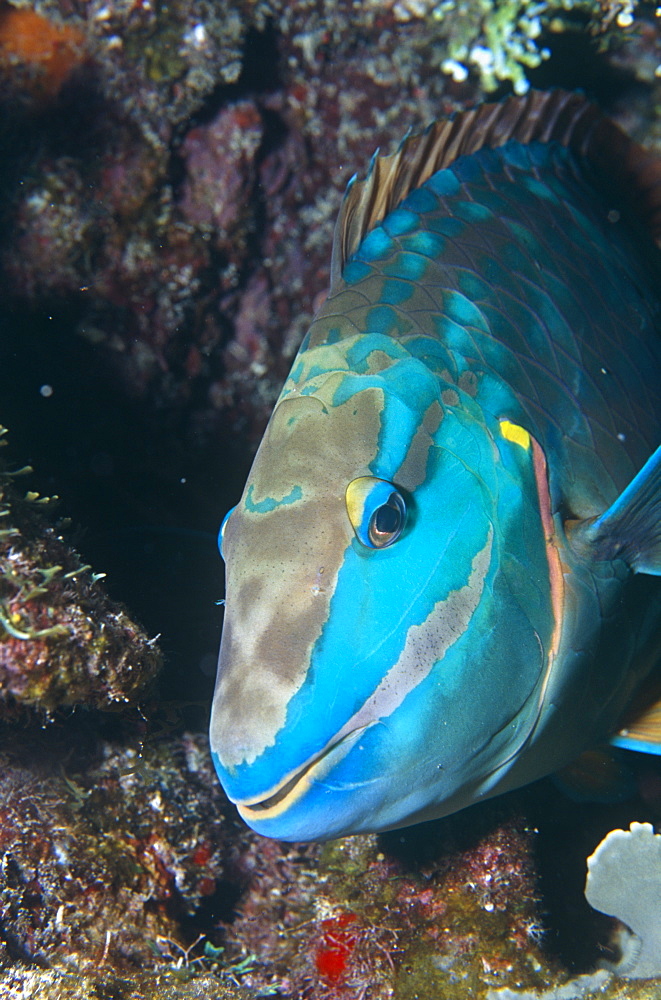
(624, 881)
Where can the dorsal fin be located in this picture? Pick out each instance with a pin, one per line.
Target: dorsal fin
(631, 173)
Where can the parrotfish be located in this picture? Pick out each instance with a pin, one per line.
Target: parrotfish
(442, 576)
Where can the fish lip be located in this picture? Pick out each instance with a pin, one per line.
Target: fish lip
(294, 786)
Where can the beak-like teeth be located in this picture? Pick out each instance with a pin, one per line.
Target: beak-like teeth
(295, 785)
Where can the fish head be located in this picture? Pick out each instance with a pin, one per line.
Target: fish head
(386, 613)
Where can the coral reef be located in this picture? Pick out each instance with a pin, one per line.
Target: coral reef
(35, 985)
(405, 915)
(503, 41)
(105, 856)
(125, 870)
(112, 862)
(63, 642)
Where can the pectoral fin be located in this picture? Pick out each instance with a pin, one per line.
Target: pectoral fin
(641, 732)
(631, 527)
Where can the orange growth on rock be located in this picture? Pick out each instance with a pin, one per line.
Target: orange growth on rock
(47, 51)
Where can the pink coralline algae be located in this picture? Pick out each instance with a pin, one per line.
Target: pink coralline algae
(355, 918)
(217, 194)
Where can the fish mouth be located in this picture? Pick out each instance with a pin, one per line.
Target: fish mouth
(294, 785)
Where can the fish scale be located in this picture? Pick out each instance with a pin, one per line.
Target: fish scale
(442, 577)
(535, 334)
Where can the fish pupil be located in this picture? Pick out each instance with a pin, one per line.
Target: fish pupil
(387, 522)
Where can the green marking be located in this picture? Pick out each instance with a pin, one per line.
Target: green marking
(376, 245)
(444, 183)
(524, 236)
(472, 286)
(296, 373)
(471, 211)
(454, 335)
(517, 154)
(539, 189)
(460, 309)
(385, 320)
(421, 200)
(411, 266)
(270, 503)
(445, 225)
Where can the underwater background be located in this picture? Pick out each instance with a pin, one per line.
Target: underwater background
(170, 174)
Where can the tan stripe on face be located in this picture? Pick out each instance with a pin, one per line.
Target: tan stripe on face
(283, 563)
(413, 469)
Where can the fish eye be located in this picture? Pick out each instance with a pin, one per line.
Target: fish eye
(221, 533)
(377, 511)
(387, 522)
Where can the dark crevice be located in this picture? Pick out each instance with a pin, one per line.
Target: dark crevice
(260, 75)
(575, 63)
(219, 908)
(141, 524)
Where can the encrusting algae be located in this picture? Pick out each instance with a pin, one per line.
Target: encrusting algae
(39, 52)
(63, 642)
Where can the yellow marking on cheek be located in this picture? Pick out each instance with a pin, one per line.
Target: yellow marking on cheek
(513, 432)
(355, 496)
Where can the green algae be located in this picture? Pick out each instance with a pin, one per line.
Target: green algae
(63, 642)
(500, 40)
(22, 984)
